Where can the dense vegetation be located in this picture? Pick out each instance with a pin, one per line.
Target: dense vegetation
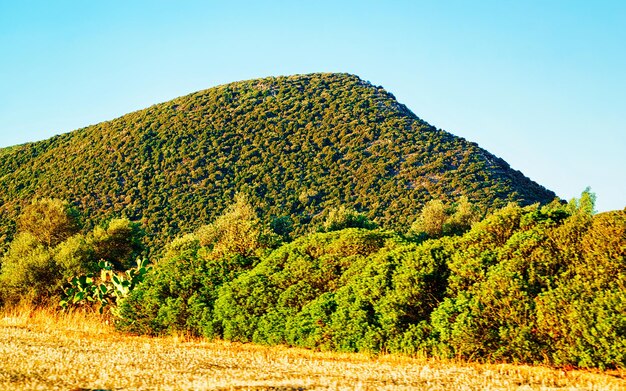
(535, 284)
(337, 220)
(298, 146)
(49, 250)
(527, 284)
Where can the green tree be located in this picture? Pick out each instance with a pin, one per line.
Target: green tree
(74, 256)
(236, 231)
(583, 317)
(29, 273)
(51, 221)
(431, 219)
(465, 215)
(585, 205)
(345, 217)
(283, 227)
(44, 256)
(257, 305)
(118, 242)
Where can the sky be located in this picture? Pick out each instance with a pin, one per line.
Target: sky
(541, 84)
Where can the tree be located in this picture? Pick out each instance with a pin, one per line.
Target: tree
(585, 205)
(48, 250)
(431, 219)
(29, 273)
(236, 231)
(283, 227)
(464, 216)
(342, 217)
(51, 221)
(437, 219)
(119, 243)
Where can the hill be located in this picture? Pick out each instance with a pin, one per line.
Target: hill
(296, 145)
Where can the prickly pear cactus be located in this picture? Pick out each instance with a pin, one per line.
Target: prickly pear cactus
(104, 291)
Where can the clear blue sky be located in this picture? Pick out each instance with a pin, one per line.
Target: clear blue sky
(541, 84)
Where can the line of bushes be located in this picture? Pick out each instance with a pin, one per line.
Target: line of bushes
(536, 284)
(527, 284)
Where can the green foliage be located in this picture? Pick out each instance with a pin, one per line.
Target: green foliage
(283, 227)
(51, 221)
(464, 216)
(490, 311)
(342, 218)
(534, 284)
(255, 306)
(107, 290)
(350, 290)
(382, 304)
(180, 292)
(29, 272)
(585, 205)
(75, 256)
(43, 257)
(583, 317)
(436, 219)
(478, 249)
(297, 145)
(118, 242)
(236, 231)
(431, 219)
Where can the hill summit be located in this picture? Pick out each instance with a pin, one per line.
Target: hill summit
(296, 145)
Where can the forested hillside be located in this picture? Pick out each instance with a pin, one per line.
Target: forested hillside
(295, 145)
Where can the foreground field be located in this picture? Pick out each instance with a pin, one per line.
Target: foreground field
(44, 350)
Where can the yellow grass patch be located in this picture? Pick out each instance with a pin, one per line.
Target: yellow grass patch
(44, 349)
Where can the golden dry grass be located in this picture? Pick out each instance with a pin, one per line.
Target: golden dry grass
(45, 350)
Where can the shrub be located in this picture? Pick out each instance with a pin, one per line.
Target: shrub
(51, 221)
(437, 219)
(582, 318)
(382, 303)
(117, 242)
(179, 292)
(47, 252)
(256, 306)
(29, 272)
(342, 218)
(236, 231)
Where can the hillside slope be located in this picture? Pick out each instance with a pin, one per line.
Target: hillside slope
(296, 145)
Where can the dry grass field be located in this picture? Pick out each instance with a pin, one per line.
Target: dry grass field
(45, 350)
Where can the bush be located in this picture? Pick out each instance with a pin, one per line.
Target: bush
(48, 252)
(536, 284)
(117, 242)
(256, 306)
(237, 231)
(437, 219)
(382, 303)
(51, 221)
(582, 318)
(503, 264)
(178, 293)
(29, 272)
(342, 218)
